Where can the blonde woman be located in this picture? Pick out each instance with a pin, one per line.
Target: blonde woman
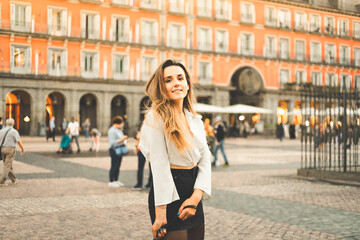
(173, 139)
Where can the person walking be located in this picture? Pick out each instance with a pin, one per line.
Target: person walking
(173, 140)
(280, 131)
(52, 127)
(210, 137)
(86, 127)
(9, 137)
(116, 138)
(95, 136)
(73, 130)
(141, 164)
(219, 131)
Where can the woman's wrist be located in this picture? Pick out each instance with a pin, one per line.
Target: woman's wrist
(197, 195)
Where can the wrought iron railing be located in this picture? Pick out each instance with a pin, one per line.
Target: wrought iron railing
(330, 128)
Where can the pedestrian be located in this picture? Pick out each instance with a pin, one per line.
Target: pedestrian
(51, 132)
(73, 130)
(292, 130)
(9, 137)
(173, 140)
(280, 131)
(1, 123)
(64, 125)
(219, 131)
(141, 164)
(95, 137)
(116, 138)
(246, 129)
(86, 127)
(210, 137)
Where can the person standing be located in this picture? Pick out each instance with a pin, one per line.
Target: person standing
(219, 131)
(9, 137)
(73, 130)
(63, 126)
(210, 138)
(141, 164)
(292, 130)
(86, 127)
(173, 140)
(51, 129)
(280, 131)
(95, 135)
(116, 138)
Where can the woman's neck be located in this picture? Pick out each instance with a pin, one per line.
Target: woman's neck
(178, 106)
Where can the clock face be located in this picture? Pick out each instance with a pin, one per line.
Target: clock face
(249, 82)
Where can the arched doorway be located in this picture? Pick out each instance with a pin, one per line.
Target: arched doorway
(54, 106)
(144, 104)
(18, 107)
(118, 106)
(88, 105)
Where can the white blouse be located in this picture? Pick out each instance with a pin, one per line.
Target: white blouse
(161, 152)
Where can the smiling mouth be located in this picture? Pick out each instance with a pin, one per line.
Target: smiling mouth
(177, 90)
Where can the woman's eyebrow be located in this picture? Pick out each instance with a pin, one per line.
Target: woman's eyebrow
(179, 75)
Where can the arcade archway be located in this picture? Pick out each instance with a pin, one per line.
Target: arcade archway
(55, 106)
(88, 109)
(18, 107)
(118, 106)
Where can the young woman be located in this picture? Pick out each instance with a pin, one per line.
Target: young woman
(173, 139)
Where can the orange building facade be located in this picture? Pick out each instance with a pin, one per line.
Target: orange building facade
(91, 58)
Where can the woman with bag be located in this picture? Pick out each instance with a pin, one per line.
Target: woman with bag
(173, 139)
(117, 146)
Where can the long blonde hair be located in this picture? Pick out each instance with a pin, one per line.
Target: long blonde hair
(163, 106)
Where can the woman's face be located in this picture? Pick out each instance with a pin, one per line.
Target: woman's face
(175, 82)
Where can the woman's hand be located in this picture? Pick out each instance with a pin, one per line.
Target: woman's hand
(193, 200)
(160, 221)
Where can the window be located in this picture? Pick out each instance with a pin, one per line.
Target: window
(204, 8)
(57, 21)
(247, 41)
(149, 32)
(270, 16)
(148, 4)
(357, 56)
(356, 29)
(205, 73)
(204, 39)
(331, 79)
(343, 29)
(57, 63)
(121, 2)
(176, 6)
(119, 29)
(284, 48)
(315, 23)
(329, 25)
(90, 23)
(300, 77)
(89, 64)
(284, 77)
(345, 78)
(149, 65)
(221, 41)
(300, 21)
(176, 35)
(344, 55)
(120, 67)
(357, 82)
(20, 17)
(284, 18)
(20, 59)
(315, 52)
(247, 13)
(300, 50)
(270, 47)
(316, 78)
(330, 53)
(222, 11)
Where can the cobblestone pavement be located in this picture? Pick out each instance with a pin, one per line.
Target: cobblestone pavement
(258, 197)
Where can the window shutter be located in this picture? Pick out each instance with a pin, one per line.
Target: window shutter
(126, 67)
(63, 22)
(96, 65)
(113, 29)
(83, 25)
(169, 33)
(243, 12)
(252, 42)
(64, 63)
(114, 66)
(226, 41)
(49, 63)
(239, 44)
(341, 55)
(69, 26)
(97, 26)
(104, 29)
(28, 59)
(209, 72)
(126, 29)
(82, 63)
(182, 36)
(50, 23)
(156, 32)
(12, 15)
(28, 17)
(12, 49)
(252, 9)
(230, 11)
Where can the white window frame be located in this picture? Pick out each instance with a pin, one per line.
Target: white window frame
(329, 29)
(356, 27)
(347, 81)
(273, 53)
(271, 22)
(179, 41)
(146, 4)
(287, 21)
(120, 75)
(94, 31)
(343, 31)
(26, 24)
(121, 2)
(315, 23)
(207, 44)
(61, 67)
(357, 56)
(301, 76)
(95, 64)
(202, 8)
(330, 47)
(297, 55)
(357, 82)
(27, 59)
(315, 57)
(145, 75)
(300, 21)
(316, 78)
(152, 39)
(63, 21)
(222, 9)
(250, 51)
(331, 77)
(247, 13)
(205, 78)
(284, 54)
(116, 34)
(225, 46)
(344, 60)
(177, 6)
(282, 81)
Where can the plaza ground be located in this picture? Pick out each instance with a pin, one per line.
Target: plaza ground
(258, 197)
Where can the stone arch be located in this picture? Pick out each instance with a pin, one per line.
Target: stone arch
(55, 106)
(88, 105)
(119, 106)
(144, 103)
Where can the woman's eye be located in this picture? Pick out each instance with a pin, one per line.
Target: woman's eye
(180, 78)
(167, 80)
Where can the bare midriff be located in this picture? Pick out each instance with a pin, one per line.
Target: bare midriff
(181, 167)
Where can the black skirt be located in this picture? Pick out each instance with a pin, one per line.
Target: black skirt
(184, 180)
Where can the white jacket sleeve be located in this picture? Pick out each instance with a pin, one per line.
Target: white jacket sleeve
(153, 146)
(203, 180)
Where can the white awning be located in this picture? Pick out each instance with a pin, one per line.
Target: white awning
(242, 108)
(206, 108)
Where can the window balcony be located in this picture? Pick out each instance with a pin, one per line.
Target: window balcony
(204, 80)
(222, 14)
(177, 43)
(205, 46)
(121, 2)
(149, 39)
(204, 12)
(20, 26)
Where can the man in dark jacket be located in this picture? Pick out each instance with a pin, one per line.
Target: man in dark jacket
(219, 131)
